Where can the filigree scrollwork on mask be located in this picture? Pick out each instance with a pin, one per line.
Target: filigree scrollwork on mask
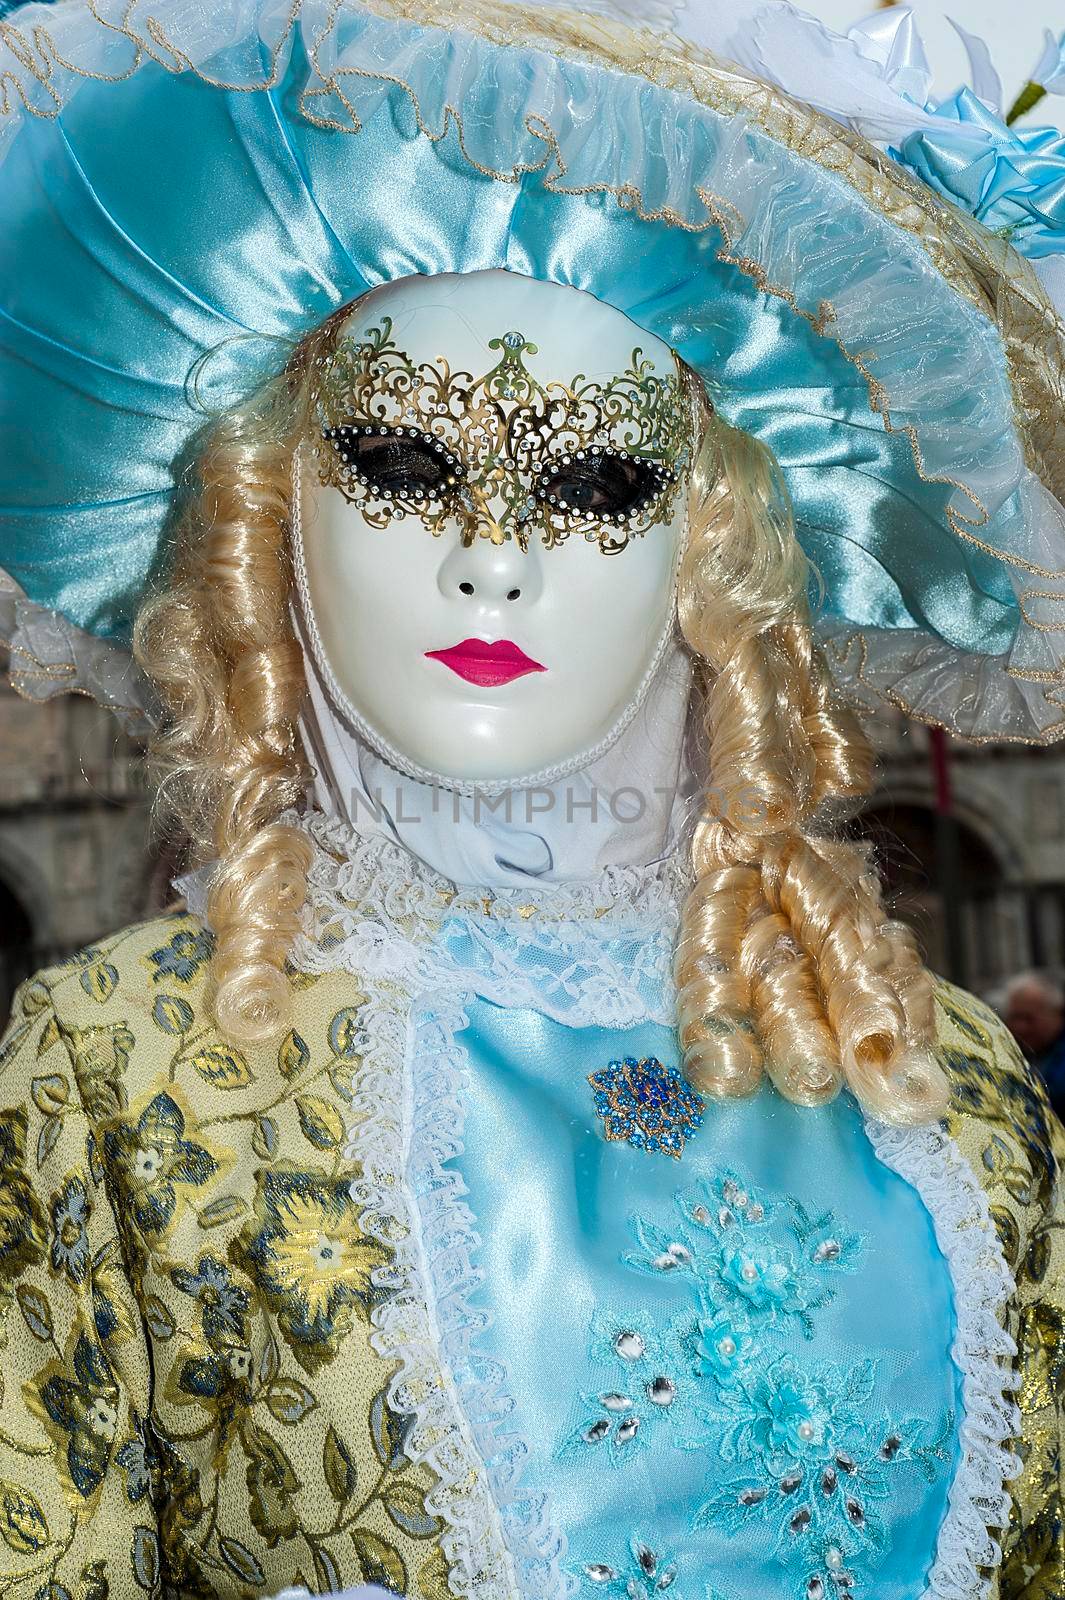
(503, 455)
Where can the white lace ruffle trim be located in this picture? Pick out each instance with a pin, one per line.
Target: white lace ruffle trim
(983, 1352)
(376, 913)
(356, 874)
(500, 1543)
(415, 1328)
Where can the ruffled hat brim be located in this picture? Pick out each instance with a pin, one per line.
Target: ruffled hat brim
(185, 195)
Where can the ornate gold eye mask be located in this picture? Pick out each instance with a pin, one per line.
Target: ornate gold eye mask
(504, 454)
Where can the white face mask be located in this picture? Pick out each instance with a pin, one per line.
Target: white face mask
(472, 628)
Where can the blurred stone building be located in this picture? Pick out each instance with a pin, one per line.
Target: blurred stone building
(76, 858)
(1007, 806)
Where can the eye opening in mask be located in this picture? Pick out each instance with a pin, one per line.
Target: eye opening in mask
(601, 484)
(396, 463)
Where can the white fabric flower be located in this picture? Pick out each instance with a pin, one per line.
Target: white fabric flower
(875, 78)
(1049, 71)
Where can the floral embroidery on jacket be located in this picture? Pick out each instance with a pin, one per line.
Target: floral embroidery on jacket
(155, 1166)
(253, 1470)
(191, 1403)
(182, 956)
(308, 1256)
(77, 1400)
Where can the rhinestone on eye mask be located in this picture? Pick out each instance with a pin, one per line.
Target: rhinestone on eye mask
(496, 452)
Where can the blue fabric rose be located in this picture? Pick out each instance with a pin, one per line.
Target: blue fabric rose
(1012, 179)
(723, 1349)
(798, 1413)
(762, 1278)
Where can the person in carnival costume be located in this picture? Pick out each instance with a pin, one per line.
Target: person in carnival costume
(512, 439)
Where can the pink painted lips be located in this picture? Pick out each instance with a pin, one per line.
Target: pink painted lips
(488, 665)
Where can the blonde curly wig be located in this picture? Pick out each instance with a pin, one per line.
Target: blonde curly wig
(219, 647)
(787, 962)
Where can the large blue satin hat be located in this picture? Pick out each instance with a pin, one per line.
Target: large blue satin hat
(187, 189)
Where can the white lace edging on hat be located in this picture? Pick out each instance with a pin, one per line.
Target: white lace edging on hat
(49, 656)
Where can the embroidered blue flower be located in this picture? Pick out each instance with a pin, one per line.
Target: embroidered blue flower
(70, 1230)
(761, 1278)
(789, 1416)
(76, 1398)
(724, 1348)
(652, 1384)
(183, 957)
(764, 1264)
(793, 1413)
(813, 1464)
(644, 1575)
(647, 1105)
(224, 1304)
(612, 1423)
(155, 1165)
(628, 1338)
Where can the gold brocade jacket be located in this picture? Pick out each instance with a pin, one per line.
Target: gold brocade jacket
(192, 1402)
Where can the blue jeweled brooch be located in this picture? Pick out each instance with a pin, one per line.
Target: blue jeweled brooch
(650, 1106)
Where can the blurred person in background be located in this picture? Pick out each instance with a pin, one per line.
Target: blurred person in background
(1035, 1015)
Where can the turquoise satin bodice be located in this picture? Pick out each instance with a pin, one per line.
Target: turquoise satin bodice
(721, 1370)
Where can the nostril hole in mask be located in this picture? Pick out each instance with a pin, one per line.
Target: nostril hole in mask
(513, 594)
(465, 588)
